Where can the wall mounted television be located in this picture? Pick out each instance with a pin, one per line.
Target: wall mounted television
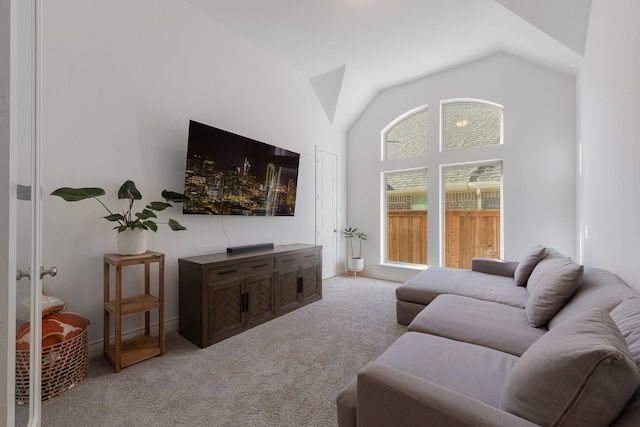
(229, 174)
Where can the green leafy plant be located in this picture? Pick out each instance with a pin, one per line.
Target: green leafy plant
(146, 219)
(351, 233)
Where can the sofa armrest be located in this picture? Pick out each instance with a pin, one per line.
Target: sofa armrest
(388, 396)
(494, 266)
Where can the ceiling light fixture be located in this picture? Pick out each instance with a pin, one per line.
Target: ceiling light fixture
(462, 123)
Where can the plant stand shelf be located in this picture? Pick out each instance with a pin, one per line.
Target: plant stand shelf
(124, 353)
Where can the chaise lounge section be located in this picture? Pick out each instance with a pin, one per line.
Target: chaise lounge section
(489, 280)
(545, 343)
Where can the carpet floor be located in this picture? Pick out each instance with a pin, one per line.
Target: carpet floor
(285, 372)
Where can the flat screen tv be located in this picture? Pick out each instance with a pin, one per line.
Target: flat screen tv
(229, 174)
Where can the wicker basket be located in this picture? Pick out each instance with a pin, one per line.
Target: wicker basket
(64, 365)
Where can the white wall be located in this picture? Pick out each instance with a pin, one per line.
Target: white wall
(609, 132)
(538, 153)
(121, 81)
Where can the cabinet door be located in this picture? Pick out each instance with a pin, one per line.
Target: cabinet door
(287, 298)
(311, 281)
(225, 313)
(260, 296)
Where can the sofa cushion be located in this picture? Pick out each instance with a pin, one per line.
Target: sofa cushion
(528, 263)
(598, 288)
(428, 284)
(627, 318)
(580, 372)
(498, 326)
(452, 364)
(498, 267)
(556, 281)
(389, 397)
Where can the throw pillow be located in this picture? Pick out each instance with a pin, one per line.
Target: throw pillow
(539, 270)
(579, 373)
(558, 282)
(528, 263)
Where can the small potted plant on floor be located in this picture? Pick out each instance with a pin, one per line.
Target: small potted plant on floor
(355, 263)
(132, 226)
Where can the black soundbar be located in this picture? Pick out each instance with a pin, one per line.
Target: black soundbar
(249, 248)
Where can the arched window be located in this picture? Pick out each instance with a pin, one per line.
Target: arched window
(471, 124)
(467, 196)
(407, 136)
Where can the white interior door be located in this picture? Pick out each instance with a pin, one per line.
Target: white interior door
(25, 286)
(327, 211)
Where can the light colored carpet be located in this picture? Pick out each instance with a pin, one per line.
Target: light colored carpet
(285, 372)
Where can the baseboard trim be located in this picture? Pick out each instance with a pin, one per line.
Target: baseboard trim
(383, 276)
(374, 274)
(171, 325)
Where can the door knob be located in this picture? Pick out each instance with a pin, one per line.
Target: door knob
(52, 272)
(21, 274)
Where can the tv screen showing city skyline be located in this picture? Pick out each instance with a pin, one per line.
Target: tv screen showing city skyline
(229, 174)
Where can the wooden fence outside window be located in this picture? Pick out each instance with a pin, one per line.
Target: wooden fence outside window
(469, 234)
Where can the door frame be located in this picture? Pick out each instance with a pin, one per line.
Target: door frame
(8, 201)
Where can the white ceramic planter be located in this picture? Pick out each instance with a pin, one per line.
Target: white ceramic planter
(132, 242)
(355, 264)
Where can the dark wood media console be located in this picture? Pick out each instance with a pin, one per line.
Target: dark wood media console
(224, 294)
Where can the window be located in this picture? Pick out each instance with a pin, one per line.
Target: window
(472, 213)
(405, 191)
(406, 213)
(469, 192)
(407, 137)
(471, 124)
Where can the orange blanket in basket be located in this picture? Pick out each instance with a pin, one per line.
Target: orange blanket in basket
(56, 328)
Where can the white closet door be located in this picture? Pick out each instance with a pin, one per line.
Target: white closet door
(327, 211)
(25, 142)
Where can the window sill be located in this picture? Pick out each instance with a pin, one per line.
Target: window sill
(404, 266)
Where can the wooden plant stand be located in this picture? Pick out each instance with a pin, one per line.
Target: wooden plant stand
(355, 273)
(119, 353)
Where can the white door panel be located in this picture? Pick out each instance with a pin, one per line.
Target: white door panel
(25, 278)
(327, 211)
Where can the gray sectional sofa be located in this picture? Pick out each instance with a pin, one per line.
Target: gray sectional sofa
(537, 342)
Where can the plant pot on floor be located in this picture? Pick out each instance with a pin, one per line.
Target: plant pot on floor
(355, 264)
(132, 242)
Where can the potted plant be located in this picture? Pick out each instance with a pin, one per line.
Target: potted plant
(355, 263)
(132, 226)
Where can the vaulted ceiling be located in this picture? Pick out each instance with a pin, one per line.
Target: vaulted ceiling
(352, 49)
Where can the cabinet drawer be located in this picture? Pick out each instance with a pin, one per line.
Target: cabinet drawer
(313, 255)
(226, 272)
(259, 265)
(289, 259)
